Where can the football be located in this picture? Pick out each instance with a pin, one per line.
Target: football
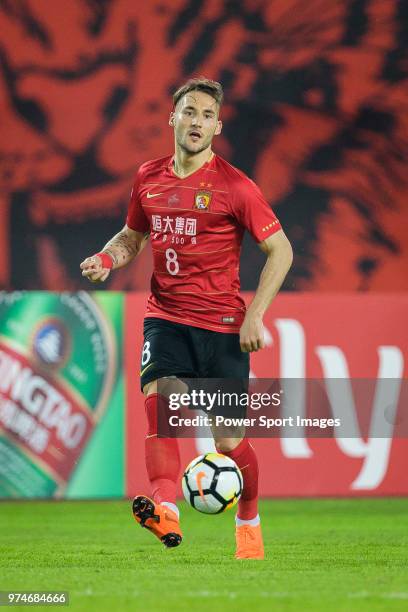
(212, 483)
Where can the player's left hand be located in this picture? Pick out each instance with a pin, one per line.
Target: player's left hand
(93, 270)
(251, 334)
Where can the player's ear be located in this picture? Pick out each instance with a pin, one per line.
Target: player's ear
(218, 128)
(171, 119)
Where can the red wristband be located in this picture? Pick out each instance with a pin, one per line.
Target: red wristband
(106, 260)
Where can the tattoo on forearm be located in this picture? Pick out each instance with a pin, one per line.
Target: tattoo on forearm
(120, 248)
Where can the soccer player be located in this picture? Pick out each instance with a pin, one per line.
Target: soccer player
(195, 207)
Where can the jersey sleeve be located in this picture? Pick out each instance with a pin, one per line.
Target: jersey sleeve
(253, 212)
(136, 218)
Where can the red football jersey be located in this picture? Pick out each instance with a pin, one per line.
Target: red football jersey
(196, 226)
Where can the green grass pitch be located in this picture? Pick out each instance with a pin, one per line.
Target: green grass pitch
(321, 555)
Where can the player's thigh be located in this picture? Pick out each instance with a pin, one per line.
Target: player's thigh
(230, 370)
(165, 353)
(228, 374)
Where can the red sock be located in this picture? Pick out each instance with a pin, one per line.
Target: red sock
(162, 454)
(245, 458)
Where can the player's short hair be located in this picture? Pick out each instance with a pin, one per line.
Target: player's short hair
(212, 88)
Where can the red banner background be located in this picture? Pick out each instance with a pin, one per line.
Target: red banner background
(299, 328)
(315, 111)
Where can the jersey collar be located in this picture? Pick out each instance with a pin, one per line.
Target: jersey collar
(170, 167)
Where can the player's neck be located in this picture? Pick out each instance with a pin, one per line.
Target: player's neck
(185, 164)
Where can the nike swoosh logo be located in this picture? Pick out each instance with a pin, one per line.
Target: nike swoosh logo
(168, 517)
(146, 368)
(199, 478)
(152, 195)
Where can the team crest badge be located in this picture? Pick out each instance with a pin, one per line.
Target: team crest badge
(202, 200)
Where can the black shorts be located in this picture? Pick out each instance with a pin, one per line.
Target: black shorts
(184, 351)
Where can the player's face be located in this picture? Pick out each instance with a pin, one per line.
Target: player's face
(195, 121)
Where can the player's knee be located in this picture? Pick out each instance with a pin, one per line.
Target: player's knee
(226, 445)
(150, 388)
(165, 386)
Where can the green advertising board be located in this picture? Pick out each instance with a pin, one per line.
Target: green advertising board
(61, 395)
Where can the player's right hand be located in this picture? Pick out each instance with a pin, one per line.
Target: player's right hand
(92, 269)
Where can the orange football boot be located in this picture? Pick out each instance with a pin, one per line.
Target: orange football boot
(160, 520)
(249, 542)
